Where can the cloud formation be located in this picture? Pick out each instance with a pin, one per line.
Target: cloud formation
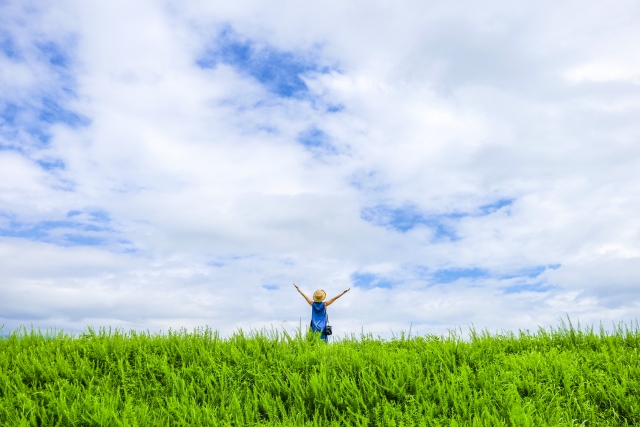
(170, 165)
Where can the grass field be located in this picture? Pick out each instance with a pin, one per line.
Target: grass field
(558, 377)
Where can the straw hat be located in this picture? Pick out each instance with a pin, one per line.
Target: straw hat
(319, 295)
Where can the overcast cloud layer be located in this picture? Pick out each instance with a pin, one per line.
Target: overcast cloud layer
(454, 163)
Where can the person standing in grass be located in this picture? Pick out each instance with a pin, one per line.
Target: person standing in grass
(319, 310)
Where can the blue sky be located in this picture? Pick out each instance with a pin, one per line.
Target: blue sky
(451, 163)
(282, 72)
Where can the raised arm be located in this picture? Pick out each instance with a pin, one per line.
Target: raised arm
(302, 293)
(328, 303)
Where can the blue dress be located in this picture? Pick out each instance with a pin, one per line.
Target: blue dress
(319, 318)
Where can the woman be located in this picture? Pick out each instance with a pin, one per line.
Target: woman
(319, 310)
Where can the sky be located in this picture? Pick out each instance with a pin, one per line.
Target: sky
(170, 165)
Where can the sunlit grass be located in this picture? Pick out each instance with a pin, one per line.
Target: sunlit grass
(559, 377)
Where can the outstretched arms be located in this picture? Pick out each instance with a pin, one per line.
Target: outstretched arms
(302, 293)
(328, 303)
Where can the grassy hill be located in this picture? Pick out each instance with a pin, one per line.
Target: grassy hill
(557, 377)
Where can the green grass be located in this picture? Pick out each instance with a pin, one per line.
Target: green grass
(558, 377)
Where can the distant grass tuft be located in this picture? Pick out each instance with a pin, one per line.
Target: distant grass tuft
(559, 377)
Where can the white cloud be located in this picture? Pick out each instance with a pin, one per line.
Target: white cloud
(198, 192)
